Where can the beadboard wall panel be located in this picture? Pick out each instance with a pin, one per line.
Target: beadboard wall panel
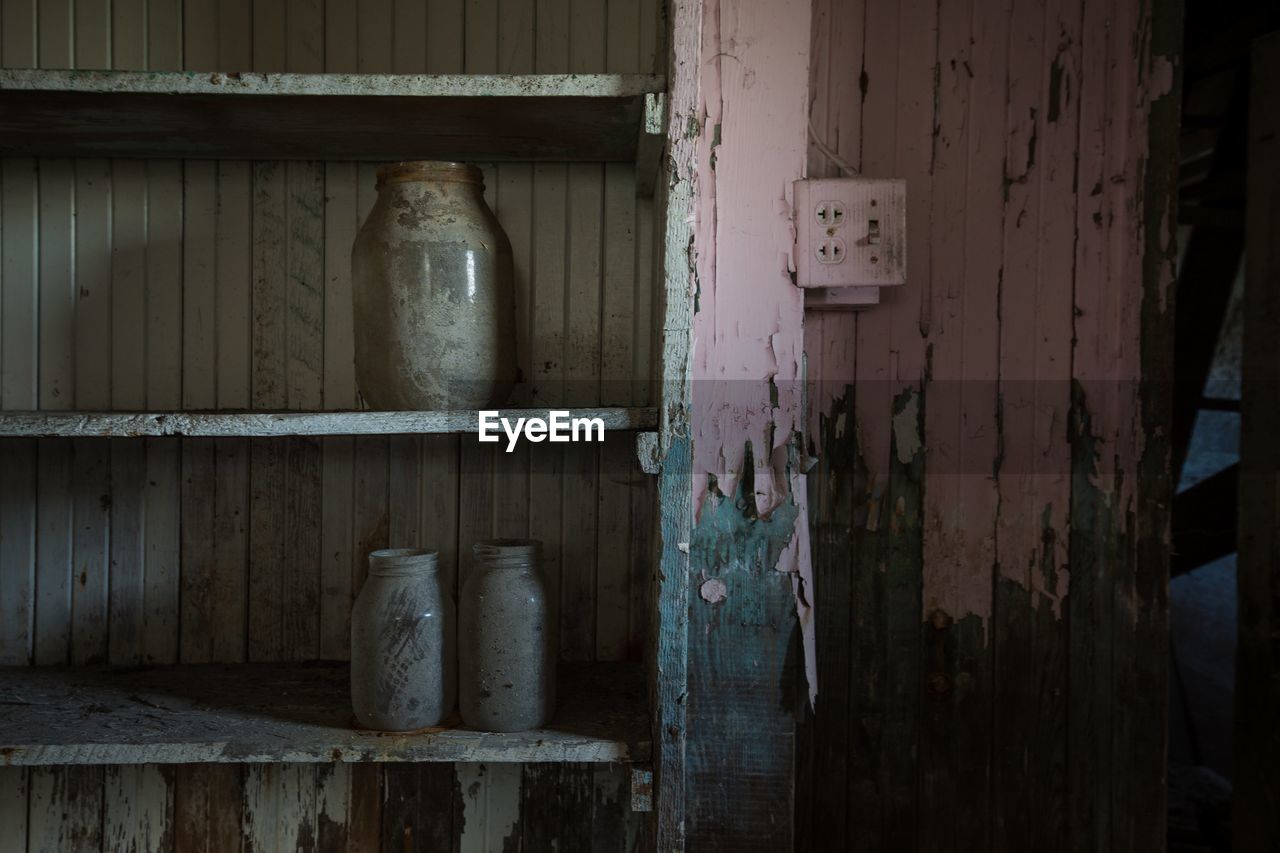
(990, 507)
(205, 284)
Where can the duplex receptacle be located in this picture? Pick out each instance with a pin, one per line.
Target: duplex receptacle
(829, 213)
(850, 232)
(830, 250)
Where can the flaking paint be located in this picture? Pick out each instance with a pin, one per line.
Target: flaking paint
(748, 327)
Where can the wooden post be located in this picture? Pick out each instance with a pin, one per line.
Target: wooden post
(1256, 818)
(734, 530)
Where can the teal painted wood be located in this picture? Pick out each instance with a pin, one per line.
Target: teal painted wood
(670, 633)
(744, 662)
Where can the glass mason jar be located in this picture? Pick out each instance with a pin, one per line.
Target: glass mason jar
(508, 649)
(403, 666)
(433, 293)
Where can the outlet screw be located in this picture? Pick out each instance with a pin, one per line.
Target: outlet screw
(873, 202)
(874, 259)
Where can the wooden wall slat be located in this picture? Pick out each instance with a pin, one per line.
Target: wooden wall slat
(1026, 536)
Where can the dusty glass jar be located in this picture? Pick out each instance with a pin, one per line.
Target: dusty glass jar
(403, 663)
(508, 649)
(433, 293)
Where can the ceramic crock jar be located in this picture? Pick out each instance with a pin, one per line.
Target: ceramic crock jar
(507, 651)
(433, 293)
(403, 662)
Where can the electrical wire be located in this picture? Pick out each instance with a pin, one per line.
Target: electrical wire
(830, 155)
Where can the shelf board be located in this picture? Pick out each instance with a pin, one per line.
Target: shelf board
(229, 424)
(300, 712)
(474, 117)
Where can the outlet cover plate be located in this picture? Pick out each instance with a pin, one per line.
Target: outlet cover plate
(865, 217)
(840, 298)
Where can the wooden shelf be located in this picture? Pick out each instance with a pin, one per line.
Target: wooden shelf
(244, 713)
(230, 424)
(478, 118)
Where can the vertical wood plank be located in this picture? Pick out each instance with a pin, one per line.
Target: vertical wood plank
(268, 553)
(92, 344)
(420, 808)
(305, 334)
(445, 36)
(19, 275)
(17, 552)
(348, 807)
(1029, 634)
(165, 213)
(138, 815)
(207, 808)
(96, 503)
(340, 224)
(65, 808)
(128, 360)
(884, 690)
(491, 808)
(279, 807)
(214, 485)
(1256, 827)
(546, 340)
(555, 808)
(56, 386)
(18, 390)
(13, 805)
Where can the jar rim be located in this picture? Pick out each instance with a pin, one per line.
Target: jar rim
(411, 171)
(401, 561)
(506, 547)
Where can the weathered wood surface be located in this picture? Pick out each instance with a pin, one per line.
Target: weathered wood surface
(207, 227)
(748, 564)
(280, 84)
(44, 424)
(246, 713)
(289, 116)
(990, 500)
(1256, 808)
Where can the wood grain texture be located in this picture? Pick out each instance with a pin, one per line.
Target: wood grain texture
(992, 436)
(329, 116)
(266, 424)
(250, 713)
(748, 551)
(188, 325)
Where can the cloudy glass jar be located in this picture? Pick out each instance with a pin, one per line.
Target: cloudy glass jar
(507, 656)
(403, 661)
(433, 293)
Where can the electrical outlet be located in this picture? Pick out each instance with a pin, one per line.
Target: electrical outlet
(829, 213)
(830, 250)
(850, 233)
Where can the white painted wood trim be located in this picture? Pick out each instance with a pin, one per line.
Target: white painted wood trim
(364, 85)
(231, 424)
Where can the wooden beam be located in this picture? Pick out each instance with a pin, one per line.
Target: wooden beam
(1256, 817)
(748, 572)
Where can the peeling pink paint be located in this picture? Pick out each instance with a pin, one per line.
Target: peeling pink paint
(1026, 272)
(748, 330)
